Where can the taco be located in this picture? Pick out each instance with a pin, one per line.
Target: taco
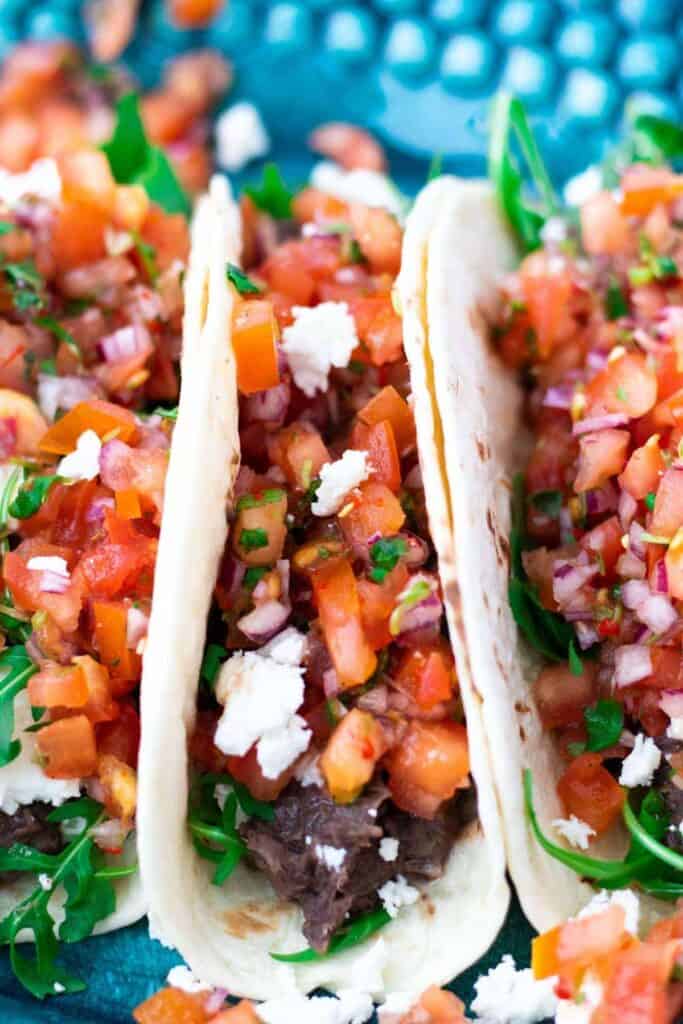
(312, 758)
(572, 542)
(91, 326)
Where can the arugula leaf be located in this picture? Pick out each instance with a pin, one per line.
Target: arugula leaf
(214, 656)
(15, 625)
(148, 257)
(243, 283)
(18, 669)
(384, 555)
(9, 493)
(272, 195)
(61, 334)
(32, 496)
(526, 218)
(435, 167)
(166, 414)
(616, 304)
(604, 724)
(214, 831)
(135, 161)
(349, 935)
(656, 140)
(26, 284)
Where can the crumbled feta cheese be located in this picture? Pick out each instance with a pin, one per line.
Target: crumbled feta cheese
(45, 882)
(321, 337)
(638, 768)
(580, 1011)
(397, 1003)
(388, 848)
(23, 781)
(182, 977)
(40, 181)
(574, 830)
(58, 988)
(349, 1007)
(309, 774)
(256, 711)
(624, 898)
(84, 462)
(359, 186)
(241, 136)
(331, 856)
(337, 479)
(583, 186)
(396, 894)
(508, 996)
(287, 648)
(675, 729)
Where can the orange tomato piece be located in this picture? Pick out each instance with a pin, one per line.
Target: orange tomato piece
(194, 13)
(168, 234)
(387, 404)
(379, 442)
(254, 341)
(601, 455)
(78, 234)
(172, 1006)
(431, 761)
(300, 452)
(352, 751)
(427, 675)
(667, 515)
(643, 469)
(561, 697)
(119, 783)
(264, 513)
(604, 228)
(628, 385)
(128, 504)
(243, 1013)
(313, 205)
(376, 510)
(131, 206)
(99, 706)
(336, 597)
(105, 419)
(379, 236)
(544, 959)
(546, 289)
(644, 188)
(58, 686)
(87, 178)
(68, 748)
(377, 602)
(588, 790)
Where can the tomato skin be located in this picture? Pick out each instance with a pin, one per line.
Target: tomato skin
(313, 205)
(379, 442)
(168, 234)
(68, 747)
(546, 289)
(102, 417)
(635, 992)
(336, 596)
(626, 385)
(643, 470)
(121, 738)
(667, 515)
(432, 759)
(427, 674)
(78, 234)
(604, 229)
(300, 452)
(387, 404)
(25, 585)
(601, 455)
(377, 510)
(109, 570)
(588, 790)
(349, 759)
(561, 697)
(604, 542)
(284, 272)
(87, 178)
(110, 625)
(379, 235)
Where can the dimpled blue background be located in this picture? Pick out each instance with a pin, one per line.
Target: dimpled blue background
(419, 73)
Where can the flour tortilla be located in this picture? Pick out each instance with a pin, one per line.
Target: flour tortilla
(485, 444)
(227, 933)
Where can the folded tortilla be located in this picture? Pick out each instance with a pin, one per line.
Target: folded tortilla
(226, 934)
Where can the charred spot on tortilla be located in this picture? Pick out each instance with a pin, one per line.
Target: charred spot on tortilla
(253, 918)
(521, 708)
(522, 734)
(483, 449)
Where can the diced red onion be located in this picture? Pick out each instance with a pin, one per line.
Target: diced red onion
(64, 392)
(375, 700)
(632, 662)
(601, 499)
(424, 636)
(126, 343)
(145, 302)
(115, 465)
(636, 542)
(586, 634)
(418, 550)
(559, 397)
(374, 537)
(264, 621)
(136, 627)
(634, 593)
(629, 566)
(596, 360)
(566, 523)
(627, 508)
(53, 582)
(661, 578)
(268, 406)
(671, 702)
(331, 684)
(657, 613)
(568, 578)
(593, 423)
(642, 634)
(96, 510)
(423, 614)
(214, 1002)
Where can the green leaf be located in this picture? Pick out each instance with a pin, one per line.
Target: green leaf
(548, 502)
(252, 540)
(435, 167)
(135, 161)
(604, 724)
(7, 227)
(32, 496)
(26, 284)
(575, 663)
(166, 414)
(640, 830)
(243, 284)
(148, 257)
(272, 195)
(656, 140)
(249, 805)
(253, 574)
(18, 669)
(61, 333)
(509, 121)
(616, 304)
(650, 499)
(384, 555)
(268, 497)
(348, 936)
(214, 656)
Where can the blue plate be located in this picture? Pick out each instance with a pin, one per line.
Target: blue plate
(420, 74)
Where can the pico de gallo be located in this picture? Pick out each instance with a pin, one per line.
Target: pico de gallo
(593, 318)
(329, 712)
(90, 333)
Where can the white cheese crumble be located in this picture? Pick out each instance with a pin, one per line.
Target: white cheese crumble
(136, 626)
(84, 462)
(638, 768)
(58, 988)
(397, 893)
(396, 1004)
(624, 898)
(41, 181)
(349, 1007)
(369, 968)
(182, 977)
(45, 882)
(388, 848)
(675, 729)
(287, 648)
(331, 856)
(508, 996)
(321, 337)
(583, 186)
(261, 697)
(22, 780)
(575, 831)
(372, 188)
(241, 136)
(337, 479)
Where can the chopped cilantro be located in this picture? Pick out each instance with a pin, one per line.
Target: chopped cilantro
(252, 540)
(26, 284)
(267, 497)
(664, 266)
(272, 195)
(622, 395)
(243, 284)
(6, 227)
(616, 304)
(166, 414)
(148, 257)
(48, 366)
(253, 575)
(384, 555)
(548, 502)
(61, 334)
(214, 656)
(604, 723)
(650, 498)
(32, 496)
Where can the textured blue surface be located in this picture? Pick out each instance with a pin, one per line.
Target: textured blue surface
(420, 73)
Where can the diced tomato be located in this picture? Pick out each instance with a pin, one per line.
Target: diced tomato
(168, 234)
(248, 771)
(243, 1013)
(604, 228)
(87, 178)
(66, 518)
(387, 404)
(441, 1007)
(336, 596)
(643, 188)
(377, 602)
(379, 236)
(601, 455)
(546, 286)
(121, 738)
(58, 686)
(119, 782)
(562, 697)
(588, 790)
(643, 469)
(111, 569)
(68, 747)
(165, 116)
(642, 703)
(140, 471)
(25, 585)
(431, 761)
(604, 543)
(172, 1006)
(349, 759)
(552, 459)
(111, 618)
(128, 504)
(427, 675)
(667, 666)
(313, 205)
(669, 413)
(259, 533)
(78, 234)
(19, 139)
(105, 419)
(254, 341)
(628, 385)
(636, 991)
(27, 423)
(131, 206)
(376, 511)
(674, 566)
(100, 707)
(544, 959)
(285, 273)
(667, 515)
(348, 145)
(379, 442)
(201, 748)
(583, 940)
(300, 452)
